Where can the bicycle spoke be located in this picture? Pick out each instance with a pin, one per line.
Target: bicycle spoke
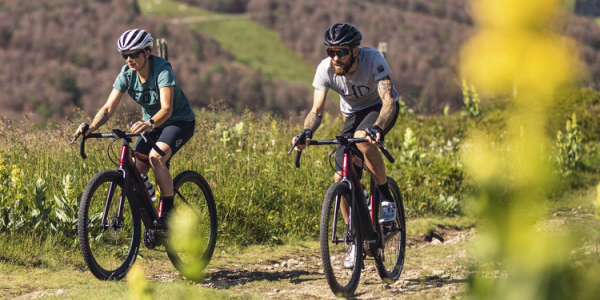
(107, 230)
(192, 230)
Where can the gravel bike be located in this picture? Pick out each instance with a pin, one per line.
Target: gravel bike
(357, 223)
(115, 203)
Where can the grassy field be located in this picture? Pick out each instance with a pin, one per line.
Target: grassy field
(249, 42)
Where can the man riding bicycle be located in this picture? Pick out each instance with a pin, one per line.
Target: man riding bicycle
(167, 116)
(368, 100)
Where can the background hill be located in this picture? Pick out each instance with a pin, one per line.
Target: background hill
(257, 54)
(60, 52)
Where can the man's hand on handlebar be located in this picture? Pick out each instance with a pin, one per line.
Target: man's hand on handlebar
(302, 139)
(374, 134)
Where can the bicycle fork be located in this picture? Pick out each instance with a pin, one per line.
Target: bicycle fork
(336, 210)
(118, 221)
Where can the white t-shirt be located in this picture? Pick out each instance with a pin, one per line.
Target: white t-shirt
(359, 91)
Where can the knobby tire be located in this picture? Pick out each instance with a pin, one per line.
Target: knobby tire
(110, 252)
(343, 282)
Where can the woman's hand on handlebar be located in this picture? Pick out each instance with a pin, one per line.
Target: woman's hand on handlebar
(140, 127)
(83, 128)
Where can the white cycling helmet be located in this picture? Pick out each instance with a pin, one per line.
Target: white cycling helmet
(134, 39)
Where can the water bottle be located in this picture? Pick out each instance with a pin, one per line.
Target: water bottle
(149, 187)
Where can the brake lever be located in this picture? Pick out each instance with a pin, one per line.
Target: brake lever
(84, 127)
(74, 139)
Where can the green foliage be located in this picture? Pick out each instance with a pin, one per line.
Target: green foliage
(569, 147)
(67, 206)
(471, 100)
(41, 212)
(409, 154)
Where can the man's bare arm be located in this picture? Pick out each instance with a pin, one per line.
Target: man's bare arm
(388, 110)
(315, 116)
(313, 121)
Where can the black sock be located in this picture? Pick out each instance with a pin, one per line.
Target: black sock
(167, 205)
(384, 191)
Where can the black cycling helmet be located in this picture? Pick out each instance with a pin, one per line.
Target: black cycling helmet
(342, 34)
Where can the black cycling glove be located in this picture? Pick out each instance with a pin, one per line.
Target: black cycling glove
(373, 131)
(305, 134)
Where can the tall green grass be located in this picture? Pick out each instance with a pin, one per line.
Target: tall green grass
(261, 197)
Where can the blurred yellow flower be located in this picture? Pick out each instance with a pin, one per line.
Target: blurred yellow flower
(138, 284)
(515, 15)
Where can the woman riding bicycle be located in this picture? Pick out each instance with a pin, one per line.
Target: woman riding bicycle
(167, 116)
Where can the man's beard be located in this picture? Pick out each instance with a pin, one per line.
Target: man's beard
(343, 71)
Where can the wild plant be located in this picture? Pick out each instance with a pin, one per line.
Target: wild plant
(569, 148)
(13, 213)
(410, 153)
(471, 100)
(41, 212)
(66, 208)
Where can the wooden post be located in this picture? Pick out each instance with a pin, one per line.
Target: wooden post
(161, 48)
(382, 48)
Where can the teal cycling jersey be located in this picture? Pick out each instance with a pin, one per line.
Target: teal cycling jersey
(147, 94)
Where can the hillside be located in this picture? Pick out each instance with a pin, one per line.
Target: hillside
(63, 52)
(424, 38)
(256, 54)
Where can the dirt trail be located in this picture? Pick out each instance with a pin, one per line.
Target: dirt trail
(435, 268)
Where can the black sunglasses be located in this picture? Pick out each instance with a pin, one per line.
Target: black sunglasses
(340, 52)
(133, 55)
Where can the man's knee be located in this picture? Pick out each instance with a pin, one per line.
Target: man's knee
(365, 148)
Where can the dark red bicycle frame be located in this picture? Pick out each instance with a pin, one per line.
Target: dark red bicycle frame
(350, 176)
(128, 169)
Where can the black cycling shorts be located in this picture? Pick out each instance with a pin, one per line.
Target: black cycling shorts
(175, 135)
(362, 120)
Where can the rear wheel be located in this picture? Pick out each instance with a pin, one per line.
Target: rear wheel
(390, 260)
(336, 246)
(111, 249)
(193, 229)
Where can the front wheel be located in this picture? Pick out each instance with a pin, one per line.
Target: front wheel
(390, 260)
(193, 229)
(108, 249)
(338, 240)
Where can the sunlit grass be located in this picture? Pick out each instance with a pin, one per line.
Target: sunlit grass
(249, 42)
(168, 8)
